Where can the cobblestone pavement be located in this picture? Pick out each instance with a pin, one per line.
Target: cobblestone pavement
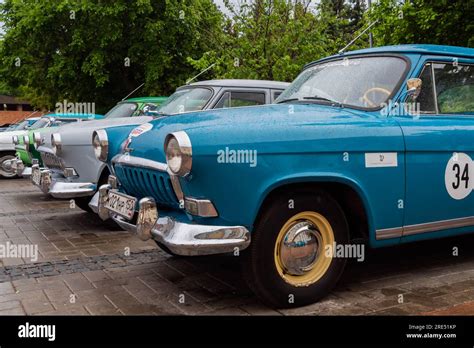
(86, 267)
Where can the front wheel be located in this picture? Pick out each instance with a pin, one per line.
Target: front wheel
(6, 169)
(290, 261)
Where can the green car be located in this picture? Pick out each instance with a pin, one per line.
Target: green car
(27, 154)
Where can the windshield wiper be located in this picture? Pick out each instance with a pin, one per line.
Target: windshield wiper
(288, 100)
(334, 102)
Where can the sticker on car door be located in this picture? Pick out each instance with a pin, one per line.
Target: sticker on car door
(458, 175)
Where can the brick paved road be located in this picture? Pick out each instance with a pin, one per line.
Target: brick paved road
(85, 267)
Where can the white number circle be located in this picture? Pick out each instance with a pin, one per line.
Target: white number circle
(458, 177)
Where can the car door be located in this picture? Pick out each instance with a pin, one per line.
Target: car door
(230, 98)
(440, 151)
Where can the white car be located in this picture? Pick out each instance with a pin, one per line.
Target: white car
(7, 148)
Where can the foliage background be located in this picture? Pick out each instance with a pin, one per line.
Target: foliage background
(79, 50)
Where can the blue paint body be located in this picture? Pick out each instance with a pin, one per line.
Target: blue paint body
(310, 144)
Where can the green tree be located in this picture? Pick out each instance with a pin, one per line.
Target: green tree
(442, 22)
(98, 51)
(341, 22)
(266, 39)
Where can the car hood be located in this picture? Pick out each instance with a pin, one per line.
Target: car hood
(262, 126)
(80, 133)
(6, 137)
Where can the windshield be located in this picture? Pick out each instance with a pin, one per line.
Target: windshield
(63, 121)
(365, 82)
(21, 126)
(41, 123)
(122, 110)
(186, 99)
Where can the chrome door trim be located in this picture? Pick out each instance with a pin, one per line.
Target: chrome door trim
(435, 226)
(388, 233)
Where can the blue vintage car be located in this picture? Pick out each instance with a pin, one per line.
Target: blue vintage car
(374, 145)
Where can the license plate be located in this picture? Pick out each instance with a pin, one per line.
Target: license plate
(121, 204)
(36, 177)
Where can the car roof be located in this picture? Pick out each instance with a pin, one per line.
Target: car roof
(240, 83)
(401, 49)
(145, 100)
(74, 115)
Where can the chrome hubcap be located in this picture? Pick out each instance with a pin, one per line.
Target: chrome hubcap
(300, 248)
(6, 168)
(7, 165)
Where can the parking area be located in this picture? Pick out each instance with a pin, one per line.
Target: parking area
(87, 267)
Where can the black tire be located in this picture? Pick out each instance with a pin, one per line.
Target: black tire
(260, 259)
(83, 203)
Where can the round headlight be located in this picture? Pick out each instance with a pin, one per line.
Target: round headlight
(15, 139)
(37, 139)
(56, 143)
(26, 139)
(100, 143)
(179, 154)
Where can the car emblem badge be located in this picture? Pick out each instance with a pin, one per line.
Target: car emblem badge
(126, 148)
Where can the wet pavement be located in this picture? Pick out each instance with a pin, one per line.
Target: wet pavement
(87, 267)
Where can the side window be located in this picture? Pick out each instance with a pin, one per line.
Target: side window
(231, 99)
(276, 94)
(426, 97)
(454, 88)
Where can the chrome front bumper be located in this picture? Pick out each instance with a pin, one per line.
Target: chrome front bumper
(20, 169)
(45, 178)
(26, 173)
(58, 188)
(181, 238)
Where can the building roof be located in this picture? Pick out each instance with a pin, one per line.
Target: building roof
(12, 117)
(242, 83)
(6, 99)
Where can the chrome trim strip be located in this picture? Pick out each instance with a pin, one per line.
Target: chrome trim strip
(438, 226)
(178, 191)
(435, 226)
(133, 161)
(388, 233)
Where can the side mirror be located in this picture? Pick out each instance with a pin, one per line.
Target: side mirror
(414, 87)
(150, 110)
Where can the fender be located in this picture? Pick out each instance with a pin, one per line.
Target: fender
(321, 177)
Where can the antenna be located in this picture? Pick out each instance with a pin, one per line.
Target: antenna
(341, 51)
(136, 89)
(34, 112)
(202, 72)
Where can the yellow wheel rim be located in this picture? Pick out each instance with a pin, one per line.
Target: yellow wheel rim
(301, 248)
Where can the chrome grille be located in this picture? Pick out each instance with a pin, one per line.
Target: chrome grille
(142, 182)
(51, 161)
